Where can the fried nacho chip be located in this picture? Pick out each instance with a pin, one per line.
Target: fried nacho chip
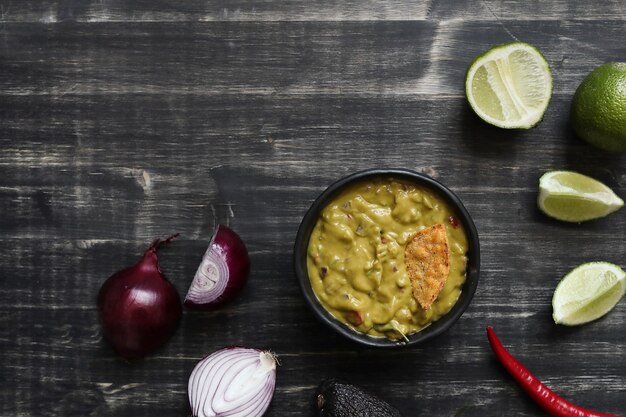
(427, 262)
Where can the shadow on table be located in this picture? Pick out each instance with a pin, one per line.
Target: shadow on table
(481, 138)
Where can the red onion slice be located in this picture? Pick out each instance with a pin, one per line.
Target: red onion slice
(233, 382)
(222, 273)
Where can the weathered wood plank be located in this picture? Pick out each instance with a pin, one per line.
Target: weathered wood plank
(51, 11)
(52, 379)
(64, 177)
(294, 58)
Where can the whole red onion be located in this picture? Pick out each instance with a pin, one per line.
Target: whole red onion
(139, 308)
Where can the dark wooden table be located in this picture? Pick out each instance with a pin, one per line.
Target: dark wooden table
(124, 120)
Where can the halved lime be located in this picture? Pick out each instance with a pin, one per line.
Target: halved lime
(573, 197)
(587, 293)
(509, 86)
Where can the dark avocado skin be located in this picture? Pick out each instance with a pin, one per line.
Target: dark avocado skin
(335, 398)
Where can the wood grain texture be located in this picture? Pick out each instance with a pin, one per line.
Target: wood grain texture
(283, 58)
(95, 11)
(121, 121)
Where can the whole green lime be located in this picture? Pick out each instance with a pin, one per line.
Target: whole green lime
(599, 108)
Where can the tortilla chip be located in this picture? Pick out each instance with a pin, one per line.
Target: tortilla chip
(427, 262)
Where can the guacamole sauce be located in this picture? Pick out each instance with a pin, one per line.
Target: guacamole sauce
(356, 256)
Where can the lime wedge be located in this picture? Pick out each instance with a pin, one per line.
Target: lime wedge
(509, 86)
(587, 293)
(573, 197)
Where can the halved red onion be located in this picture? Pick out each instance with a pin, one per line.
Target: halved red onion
(233, 382)
(222, 273)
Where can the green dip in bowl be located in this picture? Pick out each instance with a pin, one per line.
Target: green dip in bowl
(349, 256)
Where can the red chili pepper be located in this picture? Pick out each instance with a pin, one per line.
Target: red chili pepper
(454, 222)
(544, 396)
(354, 317)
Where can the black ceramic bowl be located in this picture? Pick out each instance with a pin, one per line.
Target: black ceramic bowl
(473, 265)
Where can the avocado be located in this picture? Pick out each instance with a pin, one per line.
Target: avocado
(335, 398)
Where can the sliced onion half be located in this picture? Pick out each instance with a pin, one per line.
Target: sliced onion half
(222, 273)
(233, 382)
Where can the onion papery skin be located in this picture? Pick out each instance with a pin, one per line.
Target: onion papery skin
(139, 308)
(233, 382)
(222, 273)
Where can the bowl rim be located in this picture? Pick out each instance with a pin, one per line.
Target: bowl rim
(310, 219)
